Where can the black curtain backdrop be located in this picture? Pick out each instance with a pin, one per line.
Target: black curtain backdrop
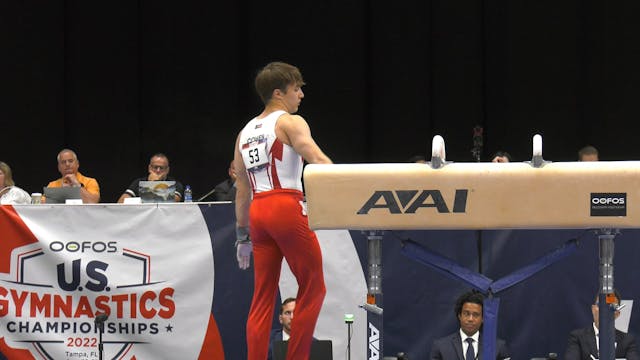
(120, 80)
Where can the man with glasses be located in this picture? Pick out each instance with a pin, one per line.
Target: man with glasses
(466, 343)
(584, 343)
(226, 190)
(68, 165)
(158, 171)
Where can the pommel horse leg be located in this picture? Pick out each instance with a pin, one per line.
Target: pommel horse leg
(373, 305)
(606, 305)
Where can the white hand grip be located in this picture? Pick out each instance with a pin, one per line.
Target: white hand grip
(537, 145)
(437, 148)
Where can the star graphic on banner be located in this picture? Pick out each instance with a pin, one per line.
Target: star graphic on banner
(169, 328)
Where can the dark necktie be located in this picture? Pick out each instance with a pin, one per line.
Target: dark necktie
(470, 355)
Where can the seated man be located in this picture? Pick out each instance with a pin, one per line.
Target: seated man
(68, 166)
(226, 190)
(158, 170)
(588, 153)
(466, 343)
(501, 157)
(584, 343)
(285, 318)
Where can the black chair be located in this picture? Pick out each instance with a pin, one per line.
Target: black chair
(320, 350)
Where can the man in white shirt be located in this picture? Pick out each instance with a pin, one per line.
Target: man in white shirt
(466, 343)
(584, 343)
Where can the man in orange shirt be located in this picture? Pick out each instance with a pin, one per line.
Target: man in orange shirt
(68, 166)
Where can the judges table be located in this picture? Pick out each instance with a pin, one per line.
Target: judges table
(165, 276)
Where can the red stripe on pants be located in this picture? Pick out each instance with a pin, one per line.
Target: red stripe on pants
(279, 227)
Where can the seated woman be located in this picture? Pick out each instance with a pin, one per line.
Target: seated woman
(9, 193)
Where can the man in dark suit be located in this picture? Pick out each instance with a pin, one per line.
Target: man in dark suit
(226, 190)
(466, 343)
(583, 343)
(285, 317)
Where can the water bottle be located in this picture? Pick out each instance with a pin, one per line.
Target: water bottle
(36, 198)
(188, 196)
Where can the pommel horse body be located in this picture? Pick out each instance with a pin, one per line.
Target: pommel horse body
(562, 195)
(476, 196)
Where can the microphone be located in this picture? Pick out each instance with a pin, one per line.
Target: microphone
(206, 195)
(101, 318)
(372, 308)
(478, 142)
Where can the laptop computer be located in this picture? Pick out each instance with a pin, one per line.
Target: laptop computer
(60, 195)
(320, 350)
(157, 191)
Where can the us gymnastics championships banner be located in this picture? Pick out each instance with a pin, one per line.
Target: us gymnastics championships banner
(150, 268)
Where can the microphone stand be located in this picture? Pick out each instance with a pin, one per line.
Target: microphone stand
(100, 345)
(478, 143)
(99, 321)
(349, 340)
(207, 195)
(348, 319)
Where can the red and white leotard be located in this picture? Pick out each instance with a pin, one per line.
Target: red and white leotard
(278, 228)
(270, 163)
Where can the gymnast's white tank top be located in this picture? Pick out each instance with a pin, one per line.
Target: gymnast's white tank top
(270, 163)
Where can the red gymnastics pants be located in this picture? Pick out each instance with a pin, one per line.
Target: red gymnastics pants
(279, 227)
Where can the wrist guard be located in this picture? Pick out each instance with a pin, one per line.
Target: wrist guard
(242, 235)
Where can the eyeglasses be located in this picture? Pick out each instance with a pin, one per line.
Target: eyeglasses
(158, 167)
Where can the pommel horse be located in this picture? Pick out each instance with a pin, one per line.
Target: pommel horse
(536, 194)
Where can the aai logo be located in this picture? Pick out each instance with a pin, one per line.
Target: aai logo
(409, 201)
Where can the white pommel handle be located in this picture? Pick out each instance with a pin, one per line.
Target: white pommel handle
(437, 148)
(537, 145)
